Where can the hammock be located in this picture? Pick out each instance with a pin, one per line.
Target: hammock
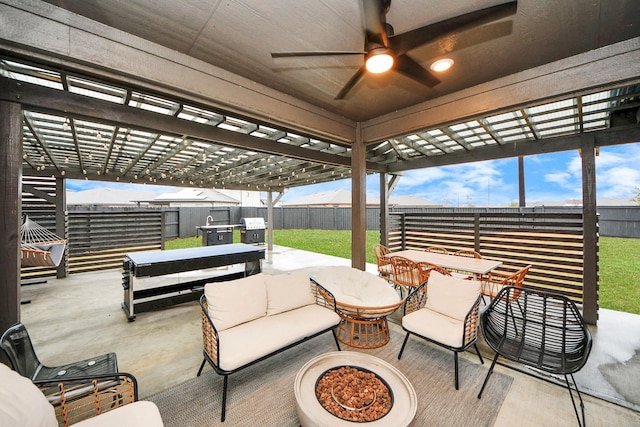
(40, 247)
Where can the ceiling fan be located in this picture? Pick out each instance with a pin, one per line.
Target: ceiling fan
(385, 50)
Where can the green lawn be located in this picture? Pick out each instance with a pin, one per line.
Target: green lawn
(619, 263)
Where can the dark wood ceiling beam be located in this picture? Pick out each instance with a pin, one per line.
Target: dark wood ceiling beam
(622, 135)
(37, 98)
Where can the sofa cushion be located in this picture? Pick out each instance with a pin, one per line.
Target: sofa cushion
(141, 413)
(451, 296)
(236, 301)
(287, 291)
(22, 403)
(250, 341)
(356, 287)
(435, 326)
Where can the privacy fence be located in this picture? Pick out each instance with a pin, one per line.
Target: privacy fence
(551, 242)
(548, 238)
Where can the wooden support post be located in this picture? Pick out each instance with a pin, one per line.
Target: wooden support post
(270, 221)
(61, 225)
(11, 218)
(590, 230)
(384, 210)
(358, 201)
(522, 202)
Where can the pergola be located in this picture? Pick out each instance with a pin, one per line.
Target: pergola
(188, 95)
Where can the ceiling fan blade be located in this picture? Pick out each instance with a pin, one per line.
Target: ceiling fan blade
(410, 68)
(318, 53)
(404, 42)
(351, 83)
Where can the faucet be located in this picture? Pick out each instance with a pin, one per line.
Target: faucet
(209, 218)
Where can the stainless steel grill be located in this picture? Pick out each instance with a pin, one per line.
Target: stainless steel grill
(252, 230)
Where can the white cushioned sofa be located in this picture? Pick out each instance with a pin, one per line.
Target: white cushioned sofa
(247, 320)
(24, 404)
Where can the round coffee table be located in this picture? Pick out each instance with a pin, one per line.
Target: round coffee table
(312, 414)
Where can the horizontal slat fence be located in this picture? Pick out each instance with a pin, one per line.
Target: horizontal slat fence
(99, 240)
(551, 242)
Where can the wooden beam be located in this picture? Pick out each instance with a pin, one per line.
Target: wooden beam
(384, 209)
(10, 206)
(358, 202)
(590, 240)
(37, 98)
(603, 138)
(61, 224)
(522, 194)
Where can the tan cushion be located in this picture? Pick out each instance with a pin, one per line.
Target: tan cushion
(252, 340)
(22, 403)
(287, 291)
(435, 326)
(141, 413)
(236, 301)
(451, 296)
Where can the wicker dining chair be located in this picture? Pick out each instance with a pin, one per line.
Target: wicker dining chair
(425, 268)
(385, 268)
(495, 282)
(468, 253)
(542, 330)
(406, 275)
(437, 250)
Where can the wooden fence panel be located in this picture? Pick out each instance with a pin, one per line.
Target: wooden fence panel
(551, 242)
(100, 240)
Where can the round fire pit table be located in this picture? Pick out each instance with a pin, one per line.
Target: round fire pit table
(311, 413)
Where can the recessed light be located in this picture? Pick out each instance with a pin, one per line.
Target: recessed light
(441, 65)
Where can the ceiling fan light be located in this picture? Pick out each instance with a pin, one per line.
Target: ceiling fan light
(379, 61)
(441, 65)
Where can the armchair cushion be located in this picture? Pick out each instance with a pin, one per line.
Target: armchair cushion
(450, 295)
(287, 291)
(22, 403)
(435, 326)
(237, 301)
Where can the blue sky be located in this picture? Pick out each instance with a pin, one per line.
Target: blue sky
(548, 177)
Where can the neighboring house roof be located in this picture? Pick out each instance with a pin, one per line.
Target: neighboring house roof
(194, 195)
(107, 196)
(343, 198)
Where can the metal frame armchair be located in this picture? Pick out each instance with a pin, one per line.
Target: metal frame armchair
(17, 345)
(444, 311)
(542, 330)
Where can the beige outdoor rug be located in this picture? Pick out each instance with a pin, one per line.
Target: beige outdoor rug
(262, 395)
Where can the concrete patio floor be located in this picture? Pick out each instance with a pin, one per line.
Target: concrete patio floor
(80, 316)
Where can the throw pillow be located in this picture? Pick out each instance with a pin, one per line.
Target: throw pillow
(451, 296)
(288, 291)
(236, 301)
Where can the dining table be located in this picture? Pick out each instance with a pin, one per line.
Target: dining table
(477, 266)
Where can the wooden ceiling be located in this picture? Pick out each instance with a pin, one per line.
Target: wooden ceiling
(542, 80)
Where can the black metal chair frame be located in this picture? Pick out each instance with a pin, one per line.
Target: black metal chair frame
(17, 346)
(417, 299)
(542, 330)
(210, 332)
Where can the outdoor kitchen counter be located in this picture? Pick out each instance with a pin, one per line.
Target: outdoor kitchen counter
(159, 263)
